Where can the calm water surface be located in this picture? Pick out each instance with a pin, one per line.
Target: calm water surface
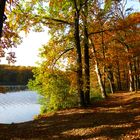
(18, 107)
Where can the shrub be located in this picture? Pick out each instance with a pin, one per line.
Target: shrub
(54, 89)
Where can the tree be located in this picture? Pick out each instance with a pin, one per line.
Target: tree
(78, 50)
(69, 10)
(96, 35)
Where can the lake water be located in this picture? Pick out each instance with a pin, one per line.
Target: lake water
(16, 107)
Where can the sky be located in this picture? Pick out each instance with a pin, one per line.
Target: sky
(134, 4)
(27, 52)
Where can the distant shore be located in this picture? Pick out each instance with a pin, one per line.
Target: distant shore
(7, 88)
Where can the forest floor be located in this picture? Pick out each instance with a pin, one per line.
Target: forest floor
(116, 118)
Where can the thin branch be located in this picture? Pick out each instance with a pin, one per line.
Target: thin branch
(83, 4)
(65, 51)
(122, 42)
(57, 20)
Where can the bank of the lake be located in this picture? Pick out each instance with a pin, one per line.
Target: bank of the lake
(117, 117)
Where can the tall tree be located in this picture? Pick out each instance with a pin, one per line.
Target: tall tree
(86, 54)
(79, 55)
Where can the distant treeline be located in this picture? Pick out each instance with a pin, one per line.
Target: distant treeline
(15, 75)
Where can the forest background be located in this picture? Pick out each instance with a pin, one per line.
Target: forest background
(15, 75)
(93, 48)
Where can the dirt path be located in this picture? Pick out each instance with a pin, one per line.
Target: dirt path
(116, 118)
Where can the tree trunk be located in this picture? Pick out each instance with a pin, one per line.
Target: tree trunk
(100, 81)
(138, 67)
(2, 8)
(111, 80)
(135, 75)
(86, 58)
(103, 52)
(138, 81)
(119, 77)
(111, 86)
(130, 77)
(79, 59)
(125, 78)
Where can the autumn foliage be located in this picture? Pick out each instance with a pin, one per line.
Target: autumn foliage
(96, 44)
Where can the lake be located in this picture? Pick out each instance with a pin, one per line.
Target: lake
(18, 106)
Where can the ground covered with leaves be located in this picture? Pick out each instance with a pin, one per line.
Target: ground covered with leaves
(116, 118)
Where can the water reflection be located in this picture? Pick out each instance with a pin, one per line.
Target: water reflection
(18, 107)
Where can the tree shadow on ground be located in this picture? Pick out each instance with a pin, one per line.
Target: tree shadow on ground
(114, 118)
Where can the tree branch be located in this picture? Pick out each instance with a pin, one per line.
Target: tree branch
(75, 5)
(110, 30)
(83, 4)
(58, 20)
(65, 51)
